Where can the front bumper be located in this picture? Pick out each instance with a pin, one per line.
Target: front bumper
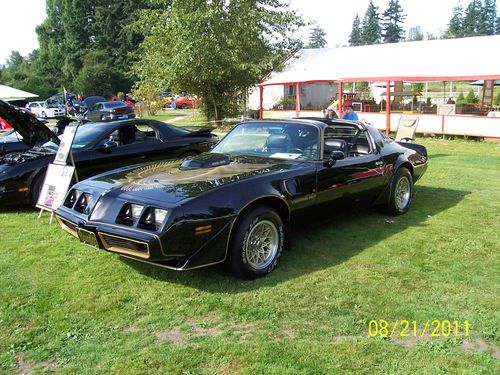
(188, 246)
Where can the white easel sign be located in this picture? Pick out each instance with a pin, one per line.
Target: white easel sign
(55, 186)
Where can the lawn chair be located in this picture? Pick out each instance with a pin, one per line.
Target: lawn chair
(407, 127)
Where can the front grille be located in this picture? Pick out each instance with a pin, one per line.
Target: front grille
(124, 245)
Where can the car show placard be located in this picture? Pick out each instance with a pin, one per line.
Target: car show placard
(65, 145)
(55, 186)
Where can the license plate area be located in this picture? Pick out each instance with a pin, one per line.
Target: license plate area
(87, 237)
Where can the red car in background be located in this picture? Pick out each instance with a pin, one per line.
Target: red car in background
(185, 102)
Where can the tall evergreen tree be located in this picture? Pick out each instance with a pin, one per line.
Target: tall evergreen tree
(371, 30)
(472, 19)
(355, 39)
(317, 37)
(497, 27)
(73, 29)
(455, 26)
(488, 18)
(392, 23)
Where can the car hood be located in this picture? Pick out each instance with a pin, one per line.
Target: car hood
(173, 181)
(32, 130)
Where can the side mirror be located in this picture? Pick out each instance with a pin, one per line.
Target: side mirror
(108, 145)
(334, 156)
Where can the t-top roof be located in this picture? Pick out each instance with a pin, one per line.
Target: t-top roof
(431, 60)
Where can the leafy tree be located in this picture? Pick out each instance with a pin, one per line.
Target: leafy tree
(455, 26)
(371, 29)
(415, 34)
(497, 27)
(215, 49)
(472, 19)
(97, 75)
(317, 37)
(392, 22)
(355, 39)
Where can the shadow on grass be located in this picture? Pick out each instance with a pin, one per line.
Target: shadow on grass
(318, 243)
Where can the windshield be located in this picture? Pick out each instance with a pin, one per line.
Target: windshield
(88, 134)
(276, 140)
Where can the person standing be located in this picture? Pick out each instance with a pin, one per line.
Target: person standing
(349, 114)
(331, 114)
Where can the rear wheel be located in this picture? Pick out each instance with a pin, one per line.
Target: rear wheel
(256, 243)
(183, 106)
(401, 192)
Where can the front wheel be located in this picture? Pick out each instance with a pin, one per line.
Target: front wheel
(44, 115)
(256, 244)
(401, 192)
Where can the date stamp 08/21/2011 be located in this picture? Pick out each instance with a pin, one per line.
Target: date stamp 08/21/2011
(412, 328)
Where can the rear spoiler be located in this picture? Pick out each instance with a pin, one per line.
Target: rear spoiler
(199, 130)
(416, 147)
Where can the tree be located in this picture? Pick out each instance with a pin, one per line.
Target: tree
(97, 75)
(461, 98)
(355, 39)
(74, 28)
(317, 37)
(472, 19)
(455, 26)
(392, 22)
(488, 18)
(215, 49)
(471, 97)
(371, 30)
(415, 34)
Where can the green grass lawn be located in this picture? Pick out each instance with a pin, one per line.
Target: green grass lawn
(68, 308)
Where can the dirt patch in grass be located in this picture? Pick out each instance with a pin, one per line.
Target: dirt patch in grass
(25, 367)
(177, 336)
(480, 346)
(174, 336)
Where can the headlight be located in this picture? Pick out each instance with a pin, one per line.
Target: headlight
(71, 198)
(83, 203)
(129, 214)
(154, 218)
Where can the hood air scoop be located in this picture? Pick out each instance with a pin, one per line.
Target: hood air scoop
(209, 160)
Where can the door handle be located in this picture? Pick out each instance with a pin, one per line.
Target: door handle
(379, 163)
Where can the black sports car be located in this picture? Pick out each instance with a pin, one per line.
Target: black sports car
(235, 203)
(96, 148)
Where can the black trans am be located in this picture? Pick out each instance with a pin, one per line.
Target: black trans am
(97, 147)
(235, 203)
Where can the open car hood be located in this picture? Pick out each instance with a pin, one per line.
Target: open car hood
(32, 130)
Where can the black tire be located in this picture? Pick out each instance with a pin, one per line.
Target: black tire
(183, 106)
(260, 226)
(36, 188)
(44, 115)
(401, 192)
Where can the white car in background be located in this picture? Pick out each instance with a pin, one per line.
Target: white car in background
(44, 110)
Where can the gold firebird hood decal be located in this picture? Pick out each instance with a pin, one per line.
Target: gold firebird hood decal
(168, 173)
